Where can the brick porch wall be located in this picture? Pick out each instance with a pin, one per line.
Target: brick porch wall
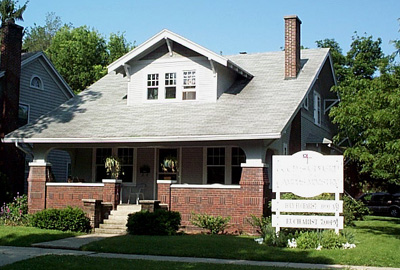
(238, 203)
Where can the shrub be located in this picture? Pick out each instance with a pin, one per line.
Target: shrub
(353, 210)
(326, 239)
(15, 212)
(67, 219)
(215, 224)
(159, 222)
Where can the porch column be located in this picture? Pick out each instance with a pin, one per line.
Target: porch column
(112, 191)
(38, 176)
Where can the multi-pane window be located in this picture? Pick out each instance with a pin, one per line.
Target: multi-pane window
(317, 108)
(189, 85)
(170, 85)
(238, 157)
(36, 82)
(101, 155)
(125, 156)
(152, 86)
(216, 165)
(23, 115)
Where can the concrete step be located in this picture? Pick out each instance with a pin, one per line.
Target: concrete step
(130, 207)
(112, 217)
(113, 226)
(110, 231)
(122, 212)
(114, 221)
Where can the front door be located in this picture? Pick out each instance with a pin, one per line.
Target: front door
(167, 164)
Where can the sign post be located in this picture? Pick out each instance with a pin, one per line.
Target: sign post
(307, 174)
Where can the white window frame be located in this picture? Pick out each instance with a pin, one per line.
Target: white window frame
(40, 87)
(167, 84)
(285, 149)
(226, 165)
(189, 83)
(317, 109)
(156, 86)
(305, 103)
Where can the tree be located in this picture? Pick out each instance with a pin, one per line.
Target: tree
(368, 114)
(117, 46)
(80, 55)
(9, 11)
(38, 38)
(338, 59)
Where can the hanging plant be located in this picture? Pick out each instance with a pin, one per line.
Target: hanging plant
(169, 164)
(113, 167)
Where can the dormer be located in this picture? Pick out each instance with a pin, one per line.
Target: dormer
(170, 68)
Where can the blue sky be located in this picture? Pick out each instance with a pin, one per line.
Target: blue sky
(229, 26)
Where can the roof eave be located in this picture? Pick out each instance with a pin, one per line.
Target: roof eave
(147, 139)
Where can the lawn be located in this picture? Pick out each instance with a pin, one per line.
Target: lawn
(378, 245)
(26, 236)
(89, 263)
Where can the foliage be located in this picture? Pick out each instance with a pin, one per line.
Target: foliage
(326, 239)
(268, 233)
(215, 224)
(9, 11)
(113, 167)
(38, 38)
(117, 46)
(5, 189)
(159, 222)
(67, 219)
(84, 50)
(353, 210)
(368, 115)
(15, 212)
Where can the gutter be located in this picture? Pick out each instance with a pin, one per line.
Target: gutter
(23, 150)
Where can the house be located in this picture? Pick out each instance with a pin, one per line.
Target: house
(41, 89)
(196, 128)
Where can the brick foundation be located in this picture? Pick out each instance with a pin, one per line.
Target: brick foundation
(238, 203)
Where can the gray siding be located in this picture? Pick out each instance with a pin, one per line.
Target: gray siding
(41, 102)
(192, 165)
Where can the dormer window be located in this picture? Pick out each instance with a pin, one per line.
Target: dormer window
(170, 85)
(152, 86)
(36, 82)
(189, 85)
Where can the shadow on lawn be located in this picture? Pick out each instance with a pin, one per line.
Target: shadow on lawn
(369, 226)
(18, 240)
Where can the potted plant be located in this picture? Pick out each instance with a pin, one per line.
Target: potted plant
(113, 167)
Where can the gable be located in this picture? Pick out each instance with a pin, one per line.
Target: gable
(163, 52)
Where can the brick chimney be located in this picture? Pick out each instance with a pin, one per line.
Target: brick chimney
(10, 63)
(292, 46)
(11, 159)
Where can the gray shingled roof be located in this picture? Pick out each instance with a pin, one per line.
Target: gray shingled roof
(261, 109)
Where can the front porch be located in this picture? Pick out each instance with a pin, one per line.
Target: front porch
(218, 179)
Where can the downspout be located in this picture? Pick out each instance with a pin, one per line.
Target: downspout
(23, 150)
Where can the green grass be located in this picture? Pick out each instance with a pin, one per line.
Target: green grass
(25, 236)
(378, 245)
(89, 263)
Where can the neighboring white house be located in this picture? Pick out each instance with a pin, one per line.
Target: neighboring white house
(175, 112)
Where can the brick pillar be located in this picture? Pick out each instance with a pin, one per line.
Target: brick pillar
(164, 192)
(254, 184)
(112, 191)
(38, 176)
(92, 208)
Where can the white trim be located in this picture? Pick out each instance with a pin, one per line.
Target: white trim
(215, 186)
(116, 181)
(147, 139)
(39, 163)
(166, 35)
(29, 110)
(34, 76)
(166, 181)
(250, 164)
(75, 184)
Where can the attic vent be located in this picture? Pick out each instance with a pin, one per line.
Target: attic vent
(242, 52)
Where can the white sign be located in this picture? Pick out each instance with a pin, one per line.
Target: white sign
(310, 206)
(313, 222)
(307, 174)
